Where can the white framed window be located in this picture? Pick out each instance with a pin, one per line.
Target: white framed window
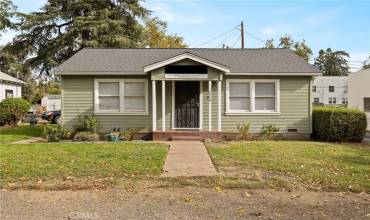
(332, 100)
(252, 96)
(316, 100)
(331, 89)
(314, 88)
(121, 96)
(344, 101)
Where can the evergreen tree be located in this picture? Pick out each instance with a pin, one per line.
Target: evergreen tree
(332, 63)
(63, 27)
(7, 11)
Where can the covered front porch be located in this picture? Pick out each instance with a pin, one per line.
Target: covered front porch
(186, 98)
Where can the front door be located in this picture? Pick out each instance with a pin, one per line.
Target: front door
(186, 104)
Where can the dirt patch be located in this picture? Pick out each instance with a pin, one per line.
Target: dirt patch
(183, 203)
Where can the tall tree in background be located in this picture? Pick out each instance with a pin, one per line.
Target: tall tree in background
(155, 36)
(332, 63)
(366, 63)
(299, 47)
(62, 28)
(7, 11)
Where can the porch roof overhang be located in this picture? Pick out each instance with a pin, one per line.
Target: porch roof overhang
(190, 56)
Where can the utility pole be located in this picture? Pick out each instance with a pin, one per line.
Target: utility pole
(242, 34)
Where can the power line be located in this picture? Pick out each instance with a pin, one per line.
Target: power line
(227, 37)
(257, 38)
(218, 36)
(237, 40)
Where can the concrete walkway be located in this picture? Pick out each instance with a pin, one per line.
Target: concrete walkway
(188, 158)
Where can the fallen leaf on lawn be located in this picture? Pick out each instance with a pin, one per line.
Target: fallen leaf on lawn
(241, 211)
(40, 181)
(67, 178)
(188, 199)
(246, 194)
(218, 189)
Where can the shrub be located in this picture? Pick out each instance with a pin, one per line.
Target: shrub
(130, 134)
(13, 109)
(55, 133)
(86, 136)
(86, 123)
(244, 130)
(269, 131)
(338, 124)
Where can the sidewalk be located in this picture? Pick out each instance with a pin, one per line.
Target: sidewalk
(188, 158)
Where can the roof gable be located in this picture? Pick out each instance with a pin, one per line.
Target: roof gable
(184, 56)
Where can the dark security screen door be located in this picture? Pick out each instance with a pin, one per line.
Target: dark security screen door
(187, 104)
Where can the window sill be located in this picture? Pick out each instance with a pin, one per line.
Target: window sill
(121, 113)
(253, 113)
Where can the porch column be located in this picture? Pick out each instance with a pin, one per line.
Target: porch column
(219, 105)
(163, 105)
(154, 106)
(210, 106)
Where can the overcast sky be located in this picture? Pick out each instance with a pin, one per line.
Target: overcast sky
(341, 25)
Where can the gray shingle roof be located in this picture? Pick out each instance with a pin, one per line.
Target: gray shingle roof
(9, 78)
(134, 60)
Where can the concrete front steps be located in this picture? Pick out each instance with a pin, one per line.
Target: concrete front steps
(185, 135)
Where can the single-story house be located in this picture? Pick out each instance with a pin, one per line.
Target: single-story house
(10, 87)
(207, 92)
(359, 92)
(51, 102)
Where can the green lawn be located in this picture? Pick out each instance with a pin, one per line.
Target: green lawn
(68, 161)
(316, 165)
(12, 134)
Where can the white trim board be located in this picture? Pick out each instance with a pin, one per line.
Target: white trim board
(186, 56)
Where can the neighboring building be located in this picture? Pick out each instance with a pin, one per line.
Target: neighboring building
(10, 86)
(330, 90)
(51, 102)
(207, 92)
(359, 92)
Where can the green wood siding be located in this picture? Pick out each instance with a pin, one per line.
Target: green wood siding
(78, 92)
(78, 98)
(294, 107)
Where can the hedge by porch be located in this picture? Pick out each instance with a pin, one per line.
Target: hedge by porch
(338, 124)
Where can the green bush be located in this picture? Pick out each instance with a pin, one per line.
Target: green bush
(55, 133)
(244, 130)
(13, 109)
(86, 123)
(268, 131)
(86, 136)
(130, 134)
(338, 124)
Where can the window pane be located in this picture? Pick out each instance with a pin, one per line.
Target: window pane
(108, 88)
(265, 103)
(265, 89)
(134, 89)
(134, 103)
(239, 89)
(109, 103)
(240, 104)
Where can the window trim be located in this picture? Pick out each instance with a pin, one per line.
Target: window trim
(253, 111)
(121, 97)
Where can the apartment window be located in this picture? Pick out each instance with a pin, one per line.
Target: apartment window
(344, 101)
(332, 100)
(316, 100)
(367, 104)
(121, 96)
(331, 88)
(313, 88)
(345, 90)
(252, 96)
(9, 93)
